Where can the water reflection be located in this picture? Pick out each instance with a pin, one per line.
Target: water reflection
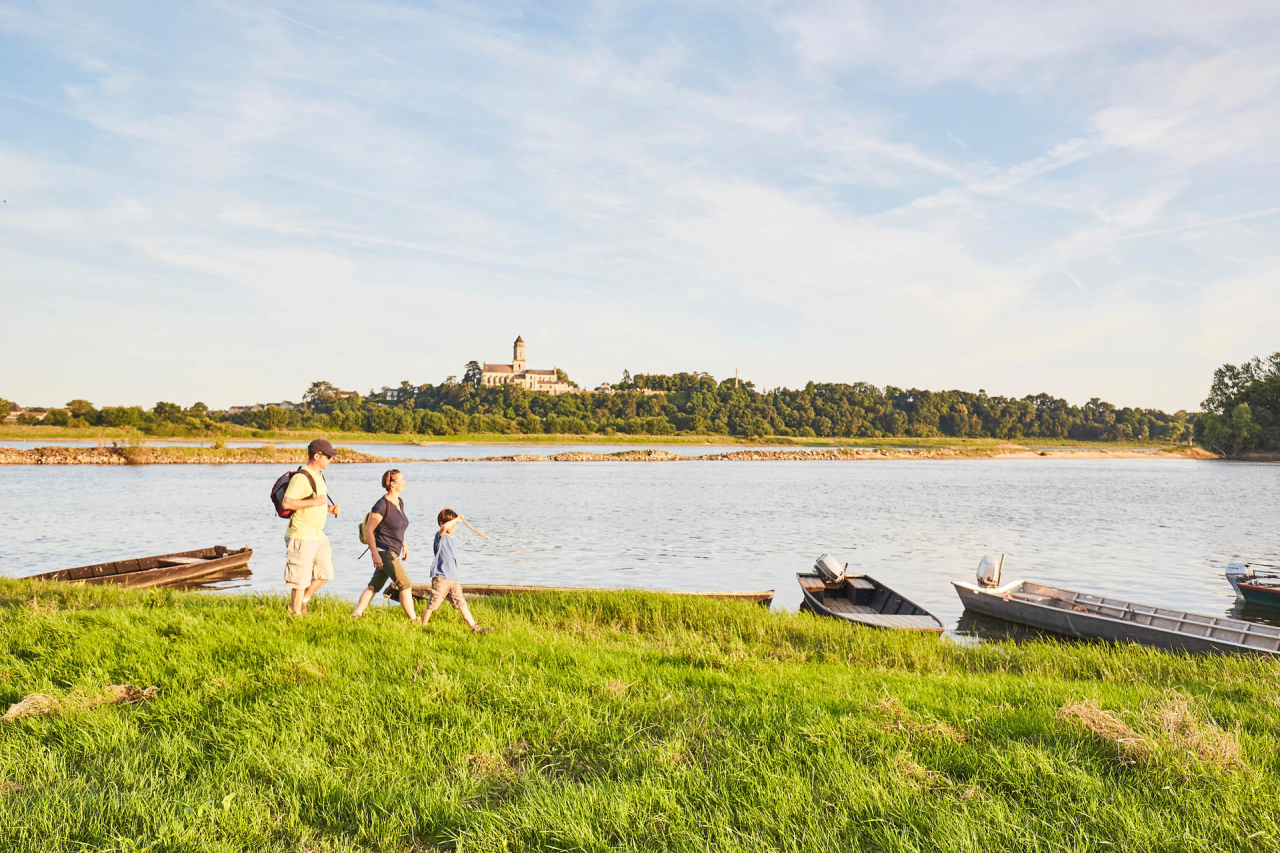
(223, 580)
(1254, 613)
(978, 626)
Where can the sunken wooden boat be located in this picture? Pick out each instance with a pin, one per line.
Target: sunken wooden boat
(1094, 617)
(764, 597)
(182, 568)
(863, 600)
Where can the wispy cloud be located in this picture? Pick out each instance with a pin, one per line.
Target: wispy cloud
(829, 191)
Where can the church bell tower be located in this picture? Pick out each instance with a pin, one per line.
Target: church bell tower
(517, 358)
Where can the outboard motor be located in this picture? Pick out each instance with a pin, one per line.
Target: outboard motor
(989, 572)
(1237, 572)
(829, 570)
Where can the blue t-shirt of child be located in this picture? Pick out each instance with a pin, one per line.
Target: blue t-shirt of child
(445, 563)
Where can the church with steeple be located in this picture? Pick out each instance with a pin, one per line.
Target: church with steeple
(518, 373)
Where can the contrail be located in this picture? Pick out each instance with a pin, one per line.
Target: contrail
(369, 50)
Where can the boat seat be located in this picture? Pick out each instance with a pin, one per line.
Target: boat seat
(860, 583)
(1034, 599)
(180, 561)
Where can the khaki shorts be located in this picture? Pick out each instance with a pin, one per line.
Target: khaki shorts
(393, 570)
(306, 560)
(442, 587)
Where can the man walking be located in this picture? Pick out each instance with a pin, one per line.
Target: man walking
(308, 557)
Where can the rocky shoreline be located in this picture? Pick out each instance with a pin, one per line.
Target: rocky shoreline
(167, 456)
(290, 456)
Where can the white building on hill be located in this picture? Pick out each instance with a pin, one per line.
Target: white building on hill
(516, 373)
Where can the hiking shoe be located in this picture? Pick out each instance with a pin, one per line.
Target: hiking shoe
(480, 629)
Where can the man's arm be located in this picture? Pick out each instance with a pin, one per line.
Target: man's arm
(295, 495)
(303, 503)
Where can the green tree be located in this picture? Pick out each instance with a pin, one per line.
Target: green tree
(564, 377)
(6, 406)
(321, 395)
(83, 409)
(1227, 435)
(121, 416)
(473, 374)
(275, 417)
(170, 412)
(1242, 411)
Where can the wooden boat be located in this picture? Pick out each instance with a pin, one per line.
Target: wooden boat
(1078, 614)
(863, 600)
(764, 597)
(178, 569)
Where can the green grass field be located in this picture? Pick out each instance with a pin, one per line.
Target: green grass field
(610, 721)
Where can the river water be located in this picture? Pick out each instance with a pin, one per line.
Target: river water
(1157, 531)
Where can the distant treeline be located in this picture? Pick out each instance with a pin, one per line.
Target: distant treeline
(688, 403)
(1242, 412)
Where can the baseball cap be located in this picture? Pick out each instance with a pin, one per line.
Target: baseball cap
(321, 445)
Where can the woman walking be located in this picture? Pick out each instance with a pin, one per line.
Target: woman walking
(384, 531)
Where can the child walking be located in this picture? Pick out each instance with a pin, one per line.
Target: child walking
(444, 571)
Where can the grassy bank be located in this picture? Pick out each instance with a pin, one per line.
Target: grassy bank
(186, 455)
(93, 435)
(600, 722)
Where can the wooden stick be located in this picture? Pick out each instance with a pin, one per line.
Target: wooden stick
(473, 530)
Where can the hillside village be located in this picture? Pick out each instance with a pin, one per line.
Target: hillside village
(550, 381)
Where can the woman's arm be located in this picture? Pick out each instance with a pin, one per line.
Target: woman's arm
(370, 526)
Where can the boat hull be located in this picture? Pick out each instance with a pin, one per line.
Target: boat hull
(173, 569)
(1213, 635)
(1268, 596)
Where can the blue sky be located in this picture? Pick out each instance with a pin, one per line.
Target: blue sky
(224, 201)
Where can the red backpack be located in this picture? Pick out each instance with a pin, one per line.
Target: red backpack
(282, 484)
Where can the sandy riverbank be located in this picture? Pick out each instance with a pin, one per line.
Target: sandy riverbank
(266, 455)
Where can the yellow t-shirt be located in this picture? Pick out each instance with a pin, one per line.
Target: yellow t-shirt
(307, 523)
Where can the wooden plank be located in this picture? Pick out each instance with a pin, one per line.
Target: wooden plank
(180, 561)
(838, 605)
(180, 574)
(162, 575)
(758, 597)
